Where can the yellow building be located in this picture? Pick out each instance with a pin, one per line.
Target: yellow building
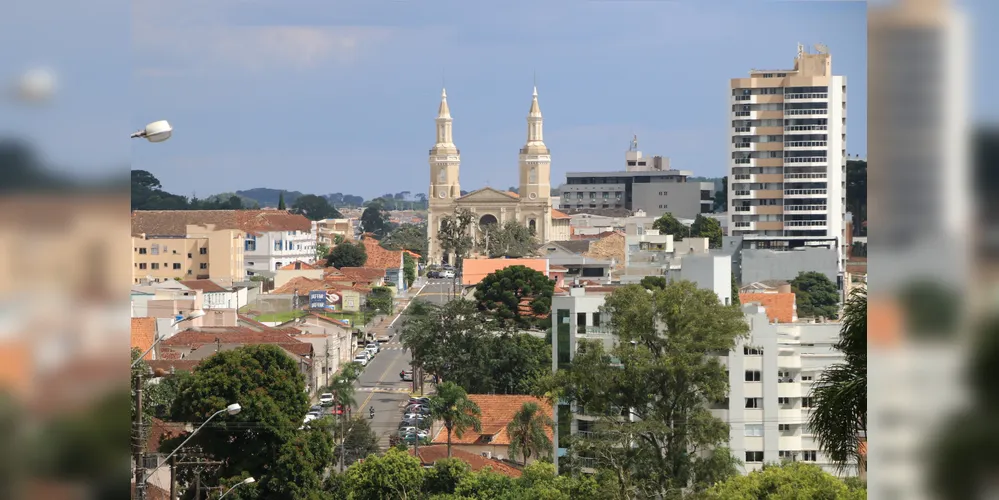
(204, 252)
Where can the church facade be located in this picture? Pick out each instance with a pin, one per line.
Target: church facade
(532, 206)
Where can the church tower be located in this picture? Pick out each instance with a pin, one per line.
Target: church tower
(535, 159)
(444, 160)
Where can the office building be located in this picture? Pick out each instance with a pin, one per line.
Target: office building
(787, 178)
(647, 184)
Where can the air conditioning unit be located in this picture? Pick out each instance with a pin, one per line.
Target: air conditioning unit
(487, 454)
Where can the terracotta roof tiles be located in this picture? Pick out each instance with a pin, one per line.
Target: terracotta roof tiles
(298, 266)
(175, 222)
(780, 307)
(497, 412)
(143, 335)
(379, 257)
(431, 454)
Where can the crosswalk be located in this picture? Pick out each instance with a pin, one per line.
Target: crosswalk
(376, 389)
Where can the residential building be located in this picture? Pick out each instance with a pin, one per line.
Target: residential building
(711, 271)
(143, 335)
(331, 340)
(196, 252)
(497, 411)
(271, 250)
(647, 184)
(755, 265)
(391, 262)
(787, 178)
(298, 269)
(327, 230)
(531, 205)
(216, 296)
(429, 455)
(775, 296)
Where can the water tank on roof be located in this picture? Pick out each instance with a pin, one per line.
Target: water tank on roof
(785, 288)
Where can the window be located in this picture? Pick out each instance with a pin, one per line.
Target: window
(581, 322)
(142, 265)
(784, 377)
(562, 316)
(176, 265)
(786, 454)
(754, 430)
(784, 427)
(154, 265)
(754, 456)
(752, 375)
(277, 265)
(189, 255)
(784, 401)
(754, 402)
(203, 251)
(806, 378)
(806, 402)
(809, 455)
(203, 265)
(190, 272)
(752, 351)
(596, 319)
(142, 251)
(154, 249)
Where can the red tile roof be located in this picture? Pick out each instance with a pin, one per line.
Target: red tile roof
(431, 454)
(511, 193)
(302, 284)
(379, 257)
(175, 222)
(143, 335)
(231, 335)
(298, 266)
(330, 320)
(779, 306)
(497, 412)
(206, 286)
(558, 214)
(366, 273)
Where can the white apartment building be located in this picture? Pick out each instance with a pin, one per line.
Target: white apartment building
(787, 177)
(771, 375)
(270, 250)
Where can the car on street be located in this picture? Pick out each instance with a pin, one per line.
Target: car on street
(326, 399)
(372, 348)
(448, 274)
(419, 401)
(361, 359)
(316, 408)
(421, 423)
(421, 409)
(407, 429)
(406, 375)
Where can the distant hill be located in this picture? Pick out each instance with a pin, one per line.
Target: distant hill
(268, 197)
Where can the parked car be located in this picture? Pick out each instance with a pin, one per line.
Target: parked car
(316, 408)
(449, 274)
(421, 409)
(372, 348)
(326, 399)
(419, 400)
(406, 375)
(361, 359)
(407, 429)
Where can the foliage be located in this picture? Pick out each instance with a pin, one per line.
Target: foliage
(396, 475)
(789, 481)
(856, 194)
(408, 269)
(412, 237)
(815, 295)
(347, 254)
(528, 432)
(510, 240)
(345, 200)
(403, 201)
(148, 194)
(721, 198)
(839, 417)
(267, 383)
(502, 292)
(322, 252)
(735, 291)
(451, 407)
(654, 282)
(858, 249)
(315, 208)
(931, 308)
(663, 371)
(374, 220)
(281, 204)
(380, 300)
(297, 473)
(707, 227)
(269, 197)
(667, 224)
(359, 441)
(453, 235)
(445, 475)
(342, 385)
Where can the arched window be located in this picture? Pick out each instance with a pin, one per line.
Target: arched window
(532, 176)
(442, 175)
(533, 226)
(487, 220)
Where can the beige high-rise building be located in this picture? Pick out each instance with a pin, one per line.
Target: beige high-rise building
(787, 177)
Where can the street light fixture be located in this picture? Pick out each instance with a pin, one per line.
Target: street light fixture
(248, 480)
(232, 409)
(195, 314)
(157, 131)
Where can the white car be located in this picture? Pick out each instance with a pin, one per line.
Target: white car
(361, 359)
(448, 274)
(308, 418)
(373, 348)
(326, 399)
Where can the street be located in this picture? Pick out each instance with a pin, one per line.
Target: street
(379, 385)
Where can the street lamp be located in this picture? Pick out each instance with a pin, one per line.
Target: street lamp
(35, 86)
(195, 314)
(248, 480)
(157, 131)
(232, 409)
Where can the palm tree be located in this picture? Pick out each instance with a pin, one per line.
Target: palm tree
(839, 415)
(527, 432)
(342, 386)
(452, 407)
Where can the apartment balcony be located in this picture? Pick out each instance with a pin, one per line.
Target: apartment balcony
(805, 193)
(819, 176)
(744, 226)
(790, 416)
(807, 97)
(592, 332)
(789, 361)
(789, 390)
(806, 224)
(806, 112)
(805, 145)
(743, 131)
(806, 209)
(806, 160)
(806, 128)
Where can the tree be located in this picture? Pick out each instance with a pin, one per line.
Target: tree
(359, 441)
(444, 476)
(654, 282)
(297, 473)
(667, 224)
(396, 475)
(454, 235)
(322, 252)
(735, 291)
(315, 208)
(507, 363)
(444, 338)
(347, 254)
(511, 240)
(707, 227)
(412, 237)
(380, 300)
(408, 269)
(839, 415)
(281, 205)
(721, 197)
(501, 293)
(789, 481)
(528, 432)
(374, 220)
(452, 407)
(815, 295)
(663, 373)
(268, 385)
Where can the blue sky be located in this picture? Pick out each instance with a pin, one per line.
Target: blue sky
(323, 96)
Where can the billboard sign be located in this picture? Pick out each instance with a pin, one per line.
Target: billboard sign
(317, 299)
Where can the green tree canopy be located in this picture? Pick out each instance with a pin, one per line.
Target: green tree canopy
(268, 385)
(412, 237)
(444, 476)
(347, 254)
(454, 235)
(408, 269)
(789, 481)
(396, 475)
(667, 224)
(511, 240)
(500, 293)
(452, 408)
(281, 205)
(359, 441)
(375, 220)
(654, 282)
(707, 227)
(815, 295)
(528, 432)
(380, 300)
(315, 208)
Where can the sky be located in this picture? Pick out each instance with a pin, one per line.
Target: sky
(325, 96)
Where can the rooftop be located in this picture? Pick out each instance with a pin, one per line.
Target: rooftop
(206, 286)
(431, 454)
(497, 412)
(175, 222)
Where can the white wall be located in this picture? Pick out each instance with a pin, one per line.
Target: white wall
(709, 271)
(295, 245)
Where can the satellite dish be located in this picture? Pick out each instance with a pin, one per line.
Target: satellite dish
(821, 48)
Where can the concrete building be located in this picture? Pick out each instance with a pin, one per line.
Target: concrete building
(272, 250)
(647, 184)
(201, 252)
(788, 153)
(757, 265)
(327, 230)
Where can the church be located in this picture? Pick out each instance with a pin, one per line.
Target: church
(532, 206)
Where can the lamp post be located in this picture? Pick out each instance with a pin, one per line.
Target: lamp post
(248, 480)
(195, 314)
(157, 131)
(141, 477)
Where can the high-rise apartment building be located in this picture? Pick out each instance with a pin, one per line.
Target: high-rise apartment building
(787, 177)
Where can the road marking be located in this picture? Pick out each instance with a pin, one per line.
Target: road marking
(372, 389)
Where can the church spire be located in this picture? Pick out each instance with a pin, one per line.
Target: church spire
(444, 122)
(535, 135)
(444, 112)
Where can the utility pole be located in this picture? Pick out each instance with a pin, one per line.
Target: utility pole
(138, 444)
(197, 485)
(326, 369)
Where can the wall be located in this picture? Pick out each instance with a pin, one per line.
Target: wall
(711, 272)
(682, 199)
(283, 276)
(266, 258)
(760, 265)
(607, 248)
(222, 300)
